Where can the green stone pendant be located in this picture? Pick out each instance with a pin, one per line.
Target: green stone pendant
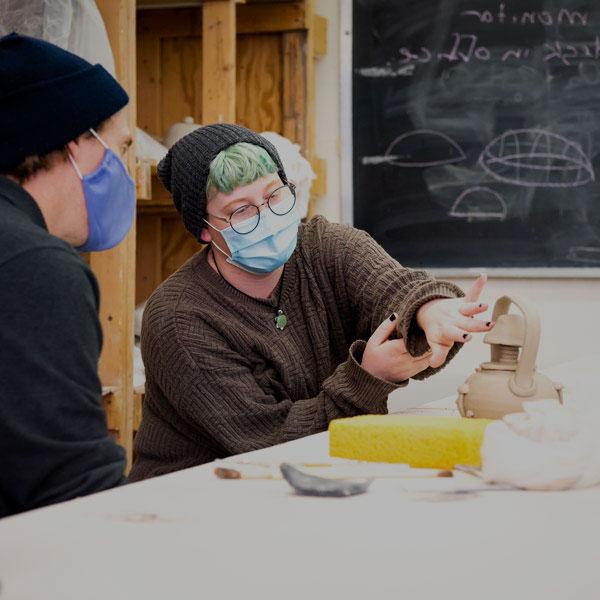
(281, 320)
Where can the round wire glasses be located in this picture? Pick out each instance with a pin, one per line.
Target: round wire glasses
(245, 219)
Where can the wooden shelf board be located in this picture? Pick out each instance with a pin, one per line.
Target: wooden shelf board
(157, 4)
(252, 18)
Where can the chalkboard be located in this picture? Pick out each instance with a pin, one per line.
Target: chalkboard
(476, 131)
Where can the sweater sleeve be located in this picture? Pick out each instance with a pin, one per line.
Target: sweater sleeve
(374, 285)
(54, 441)
(216, 392)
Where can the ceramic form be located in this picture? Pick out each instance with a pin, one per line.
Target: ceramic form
(500, 387)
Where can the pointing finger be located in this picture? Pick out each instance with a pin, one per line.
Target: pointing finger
(476, 289)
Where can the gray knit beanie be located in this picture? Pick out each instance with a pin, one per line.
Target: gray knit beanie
(184, 170)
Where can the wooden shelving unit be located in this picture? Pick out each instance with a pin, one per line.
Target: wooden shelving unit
(218, 61)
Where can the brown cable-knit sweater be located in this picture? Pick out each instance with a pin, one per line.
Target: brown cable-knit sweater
(221, 379)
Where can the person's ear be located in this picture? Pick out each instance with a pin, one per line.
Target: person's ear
(74, 146)
(86, 152)
(205, 235)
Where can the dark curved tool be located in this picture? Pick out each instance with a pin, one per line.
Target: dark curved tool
(312, 485)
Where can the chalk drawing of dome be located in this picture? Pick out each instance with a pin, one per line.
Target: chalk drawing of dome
(537, 158)
(479, 204)
(423, 148)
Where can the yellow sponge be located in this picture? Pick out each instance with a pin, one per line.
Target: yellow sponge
(420, 441)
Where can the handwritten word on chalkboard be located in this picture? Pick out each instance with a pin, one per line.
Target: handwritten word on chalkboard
(477, 131)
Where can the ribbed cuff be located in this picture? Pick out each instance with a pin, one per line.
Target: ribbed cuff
(408, 328)
(372, 391)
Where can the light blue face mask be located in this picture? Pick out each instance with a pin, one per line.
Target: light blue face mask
(110, 200)
(266, 248)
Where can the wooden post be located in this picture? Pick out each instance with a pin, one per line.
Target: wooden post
(115, 269)
(149, 255)
(218, 61)
(295, 83)
(311, 111)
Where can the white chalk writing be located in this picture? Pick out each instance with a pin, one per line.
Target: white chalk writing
(546, 18)
(466, 48)
(463, 47)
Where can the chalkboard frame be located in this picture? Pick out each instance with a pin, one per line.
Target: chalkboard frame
(347, 175)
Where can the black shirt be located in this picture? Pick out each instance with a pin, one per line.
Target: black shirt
(54, 443)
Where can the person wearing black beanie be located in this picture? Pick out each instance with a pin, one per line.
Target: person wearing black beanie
(63, 187)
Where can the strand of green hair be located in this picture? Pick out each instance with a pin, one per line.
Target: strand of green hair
(238, 165)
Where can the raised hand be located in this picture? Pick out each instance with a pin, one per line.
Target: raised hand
(446, 322)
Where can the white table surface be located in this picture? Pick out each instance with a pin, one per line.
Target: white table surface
(191, 535)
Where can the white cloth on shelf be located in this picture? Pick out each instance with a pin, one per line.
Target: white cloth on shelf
(138, 315)
(547, 447)
(139, 372)
(148, 148)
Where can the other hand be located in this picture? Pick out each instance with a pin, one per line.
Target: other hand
(388, 359)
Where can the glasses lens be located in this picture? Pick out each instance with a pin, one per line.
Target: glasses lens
(282, 200)
(245, 219)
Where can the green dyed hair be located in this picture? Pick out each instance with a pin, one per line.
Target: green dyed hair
(238, 165)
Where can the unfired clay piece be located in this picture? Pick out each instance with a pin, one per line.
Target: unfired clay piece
(499, 387)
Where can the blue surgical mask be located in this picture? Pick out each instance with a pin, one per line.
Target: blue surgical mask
(266, 248)
(110, 199)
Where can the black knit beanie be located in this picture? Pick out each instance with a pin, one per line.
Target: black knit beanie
(184, 170)
(48, 97)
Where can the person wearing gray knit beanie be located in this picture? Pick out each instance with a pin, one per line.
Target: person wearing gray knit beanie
(276, 327)
(184, 170)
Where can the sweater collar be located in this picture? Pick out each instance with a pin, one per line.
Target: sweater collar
(209, 276)
(12, 193)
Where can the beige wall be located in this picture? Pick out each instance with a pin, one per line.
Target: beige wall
(569, 309)
(327, 97)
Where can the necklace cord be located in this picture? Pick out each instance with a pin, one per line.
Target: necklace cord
(247, 295)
